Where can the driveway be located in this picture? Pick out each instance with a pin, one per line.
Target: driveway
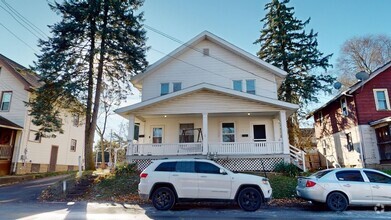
(26, 191)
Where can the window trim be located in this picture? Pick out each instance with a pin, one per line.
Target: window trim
(241, 85)
(342, 106)
(157, 126)
(33, 140)
(221, 131)
(73, 141)
(377, 101)
(1, 101)
(255, 89)
(161, 88)
(320, 117)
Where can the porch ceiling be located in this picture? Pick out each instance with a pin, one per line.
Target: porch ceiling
(232, 114)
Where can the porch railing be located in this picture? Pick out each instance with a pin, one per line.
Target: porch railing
(5, 152)
(237, 148)
(234, 148)
(165, 149)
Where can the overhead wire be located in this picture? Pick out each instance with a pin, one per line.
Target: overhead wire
(16, 36)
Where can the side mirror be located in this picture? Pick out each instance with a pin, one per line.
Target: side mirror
(222, 171)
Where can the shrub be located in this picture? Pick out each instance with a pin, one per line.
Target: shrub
(127, 169)
(287, 169)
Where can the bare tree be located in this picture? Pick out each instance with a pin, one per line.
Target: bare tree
(366, 53)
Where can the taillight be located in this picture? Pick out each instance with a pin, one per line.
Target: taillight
(310, 183)
(143, 175)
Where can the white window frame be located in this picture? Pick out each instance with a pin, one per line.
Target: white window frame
(255, 83)
(157, 126)
(221, 132)
(342, 102)
(9, 103)
(377, 102)
(73, 145)
(241, 85)
(32, 136)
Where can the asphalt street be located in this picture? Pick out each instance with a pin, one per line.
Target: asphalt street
(19, 201)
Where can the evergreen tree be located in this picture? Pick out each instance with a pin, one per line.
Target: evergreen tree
(96, 42)
(285, 44)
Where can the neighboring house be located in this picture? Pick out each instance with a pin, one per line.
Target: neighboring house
(210, 99)
(354, 128)
(22, 149)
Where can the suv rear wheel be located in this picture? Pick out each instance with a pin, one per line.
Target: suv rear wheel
(163, 198)
(250, 199)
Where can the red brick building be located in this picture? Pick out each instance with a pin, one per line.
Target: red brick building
(354, 128)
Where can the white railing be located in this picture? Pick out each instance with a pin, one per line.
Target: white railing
(165, 149)
(237, 148)
(297, 157)
(5, 152)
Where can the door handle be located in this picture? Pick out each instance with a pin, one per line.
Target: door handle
(203, 176)
(376, 187)
(347, 185)
(175, 175)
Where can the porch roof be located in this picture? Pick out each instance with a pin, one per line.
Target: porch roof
(276, 104)
(380, 122)
(5, 123)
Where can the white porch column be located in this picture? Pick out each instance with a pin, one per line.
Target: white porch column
(205, 133)
(284, 132)
(131, 119)
(277, 129)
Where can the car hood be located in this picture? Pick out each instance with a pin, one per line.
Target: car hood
(249, 177)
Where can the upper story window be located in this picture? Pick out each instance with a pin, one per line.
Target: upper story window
(164, 88)
(5, 101)
(34, 136)
(237, 84)
(177, 86)
(75, 120)
(73, 145)
(320, 117)
(381, 99)
(250, 86)
(344, 107)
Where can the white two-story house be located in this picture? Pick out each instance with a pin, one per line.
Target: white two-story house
(22, 149)
(210, 99)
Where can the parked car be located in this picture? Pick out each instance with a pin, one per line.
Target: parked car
(339, 188)
(167, 182)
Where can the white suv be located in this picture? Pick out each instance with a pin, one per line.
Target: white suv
(166, 182)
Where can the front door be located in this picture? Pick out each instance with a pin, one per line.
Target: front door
(53, 159)
(259, 133)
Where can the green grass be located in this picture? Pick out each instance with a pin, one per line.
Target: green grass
(283, 186)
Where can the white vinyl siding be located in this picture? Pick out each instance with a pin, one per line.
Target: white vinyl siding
(381, 99)
(192, 68)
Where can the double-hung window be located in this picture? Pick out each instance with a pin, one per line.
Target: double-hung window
(381, 99)
(344, 106)
(164, 88)
(250, 86)
(5, 101)
(228, 132)
(237, 84)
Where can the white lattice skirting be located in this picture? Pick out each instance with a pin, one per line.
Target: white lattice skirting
(233, 164)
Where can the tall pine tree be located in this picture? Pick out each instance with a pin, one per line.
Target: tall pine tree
(285, 44)
(96, 42)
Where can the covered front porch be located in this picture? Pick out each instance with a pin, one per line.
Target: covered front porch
(9, 137)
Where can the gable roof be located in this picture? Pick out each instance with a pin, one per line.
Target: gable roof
(5, 123)
(353, 88)
(206, 86)
(23, 74)
(205, 35)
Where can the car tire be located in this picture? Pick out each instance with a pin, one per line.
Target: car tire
(250, 199)
(163, 198)
(337, 201)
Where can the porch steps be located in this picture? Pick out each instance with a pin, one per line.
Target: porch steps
(297, 157)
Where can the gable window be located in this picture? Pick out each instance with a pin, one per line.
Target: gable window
(73, 145)
(75, 120)
(250, 86)
(381, 99)
(5, 101)
(34, 136)
(177, 86)
(344, 107)
(237, 84)
(349, 144)
(164, 88)
(228, 132)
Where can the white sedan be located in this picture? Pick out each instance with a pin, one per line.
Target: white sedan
(339, 188)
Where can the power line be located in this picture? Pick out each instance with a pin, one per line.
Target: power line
(16, 36)
(199, 51)
(25, 20)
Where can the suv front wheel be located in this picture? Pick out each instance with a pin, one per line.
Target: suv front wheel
(163, 198)
(250, 199)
